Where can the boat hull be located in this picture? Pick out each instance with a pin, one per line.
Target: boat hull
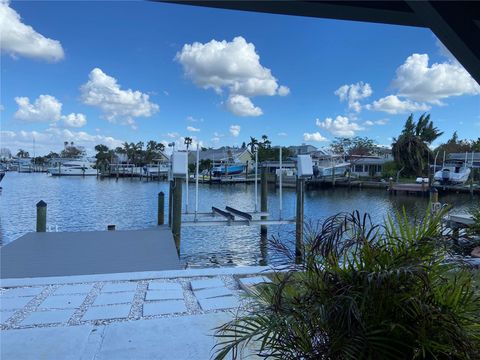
(72, 172)
(451, 176)
(228, 170)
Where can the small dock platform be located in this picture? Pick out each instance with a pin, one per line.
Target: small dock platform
(42, 254)
(420, 189)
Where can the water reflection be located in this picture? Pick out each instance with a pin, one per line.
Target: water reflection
(85, 204)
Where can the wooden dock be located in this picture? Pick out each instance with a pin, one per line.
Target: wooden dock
(44, 254)
(418, 189)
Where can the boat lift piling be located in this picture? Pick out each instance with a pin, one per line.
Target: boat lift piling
(231, 216)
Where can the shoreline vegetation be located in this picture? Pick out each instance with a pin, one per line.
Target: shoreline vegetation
(412, 154)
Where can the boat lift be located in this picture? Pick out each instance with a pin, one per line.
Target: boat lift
(231, 216)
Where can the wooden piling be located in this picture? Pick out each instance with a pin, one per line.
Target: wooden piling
(299, 220)
(41, 216)
(170, 207)
(177, 212)
(161, 208)
(433, 195)
(263, 198)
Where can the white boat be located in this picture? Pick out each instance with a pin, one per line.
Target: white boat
(456, 173)
(327, 166)
(155, 169)
(73, 168)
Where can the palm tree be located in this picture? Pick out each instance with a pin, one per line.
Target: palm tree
(265, 142)
(411, 150)
(253, 144)
(161, 147)
(22, 153)
(188, 141)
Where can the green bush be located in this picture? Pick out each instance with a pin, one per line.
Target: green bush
(364, 291)
(389, 169)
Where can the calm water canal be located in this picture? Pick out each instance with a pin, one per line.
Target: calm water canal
(85, 204)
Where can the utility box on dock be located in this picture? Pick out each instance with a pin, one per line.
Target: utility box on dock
(304, 166)
(179, 164)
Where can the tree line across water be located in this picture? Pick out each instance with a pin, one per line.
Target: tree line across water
(412, 150)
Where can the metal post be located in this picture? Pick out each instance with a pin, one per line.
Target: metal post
(177, 212)
(161, 208)
(256, 180)
(196, 181)
(299, 220)
(264, 198)
(186, 186)
(281, 190)
(41, 216)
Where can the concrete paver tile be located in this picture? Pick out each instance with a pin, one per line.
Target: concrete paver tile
(219, 303)
(114, 298)
(48, 317)
(208, 283)
(74, 289)
(164, 286)
(107, 312)
(212, 293)
(62, 301)
(14, 302)
(115, 287)
(164, 294)
(164, 307)
(29, 291)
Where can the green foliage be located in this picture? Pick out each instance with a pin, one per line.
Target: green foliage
(455, 145)
(389, 169)
(273, 154)
(362, 146)
(363, 291)
(71, 151)
(411, 150)
(22, 153)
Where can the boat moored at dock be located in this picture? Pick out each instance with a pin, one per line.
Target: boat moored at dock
(73, 168)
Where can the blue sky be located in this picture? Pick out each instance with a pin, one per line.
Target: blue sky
(131, 71)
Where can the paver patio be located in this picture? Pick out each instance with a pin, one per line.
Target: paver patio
(166, 315)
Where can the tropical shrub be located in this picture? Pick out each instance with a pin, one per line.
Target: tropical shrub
(389, 169)
(364, 291)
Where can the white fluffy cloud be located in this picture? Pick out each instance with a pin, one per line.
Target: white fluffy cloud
(234, 130)
(392, 104)
(74, 120)
(353, 93)
(192, 129)
(418, 81)
(18, 39)
(53, 138)
(340, 126)
(234, 66)
(117, 105)
(45, 108)
(242, 106)
(316, 136)
(375, 122)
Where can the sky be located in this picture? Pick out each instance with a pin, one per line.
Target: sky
(109, 72)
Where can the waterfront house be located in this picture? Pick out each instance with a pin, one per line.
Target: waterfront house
(368, 165)
(473, 159)
(223, 155)
(303, 149)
